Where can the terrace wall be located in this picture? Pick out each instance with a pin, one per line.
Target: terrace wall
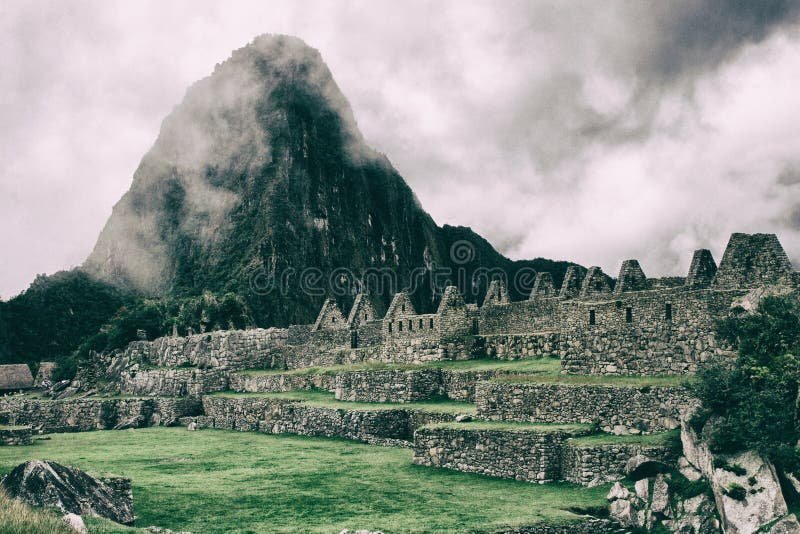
(171, 382)
(77, 415)
(21, 435)
(279, 416)
(273, 383)
(598, 464)
(521, 455)
(617, 409)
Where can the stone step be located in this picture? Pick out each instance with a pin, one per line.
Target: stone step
(620, 406)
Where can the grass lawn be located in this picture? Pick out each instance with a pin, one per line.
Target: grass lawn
(661, 438)
(576, 428)
(594, 380)
(533, 366)
(214, 481)
(326, 399)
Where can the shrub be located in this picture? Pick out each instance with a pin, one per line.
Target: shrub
(19, 518)
(752, 402)
(735, 491)
(736, 469)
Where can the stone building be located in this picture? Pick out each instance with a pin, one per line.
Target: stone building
(14, 377)
(631, 325)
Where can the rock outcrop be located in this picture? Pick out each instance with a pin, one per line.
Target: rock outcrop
(653, 505)
(746, 487)
(70, 490)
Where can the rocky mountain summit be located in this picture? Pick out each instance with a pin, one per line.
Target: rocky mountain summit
(261, 173)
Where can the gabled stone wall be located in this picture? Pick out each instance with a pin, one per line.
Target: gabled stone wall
(644, 333)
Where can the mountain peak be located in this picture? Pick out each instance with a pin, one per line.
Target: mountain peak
(259, 172)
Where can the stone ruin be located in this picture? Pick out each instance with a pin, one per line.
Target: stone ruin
(593, 325)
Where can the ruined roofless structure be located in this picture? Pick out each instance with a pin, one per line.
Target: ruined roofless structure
(593, 323)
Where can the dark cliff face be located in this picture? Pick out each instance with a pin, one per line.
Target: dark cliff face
(257, 176)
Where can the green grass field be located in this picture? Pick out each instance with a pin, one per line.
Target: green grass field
(326, 399)
(660, 438)
(214, 481)
(532, 366)
(576, 429)
(593, 380)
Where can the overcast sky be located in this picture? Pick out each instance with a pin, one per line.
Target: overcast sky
(636, 130)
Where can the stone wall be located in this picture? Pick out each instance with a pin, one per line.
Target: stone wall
(520, 317)
(618, 409)
(593, 465)
(77, 415)
(460, 385)
(388, 385)
(583, 526)
(533, 456)
(521, 346)
(230, 349)
(172, 382)
(279, 416)
(643, 333)
(273, 383)
(16, 435)
(409, 385)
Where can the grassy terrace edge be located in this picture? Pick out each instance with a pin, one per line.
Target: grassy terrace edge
(599, 439)
(512, 426)
(533, 365)
(325, 399)
(594, 380)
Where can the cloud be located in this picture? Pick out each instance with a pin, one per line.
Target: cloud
(639, 129)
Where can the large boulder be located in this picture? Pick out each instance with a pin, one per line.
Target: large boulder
(52, 485)
(787, 525)
(746, 488)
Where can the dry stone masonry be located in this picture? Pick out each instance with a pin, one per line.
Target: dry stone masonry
(617, 409)
(524, 427)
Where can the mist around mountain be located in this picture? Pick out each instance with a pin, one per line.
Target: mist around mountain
(261, 187)
(262, 171)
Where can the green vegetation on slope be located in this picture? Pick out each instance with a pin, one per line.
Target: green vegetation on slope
(215, 481)
(65, 316)
(50, 319)
(19, 518)
(753, 403)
